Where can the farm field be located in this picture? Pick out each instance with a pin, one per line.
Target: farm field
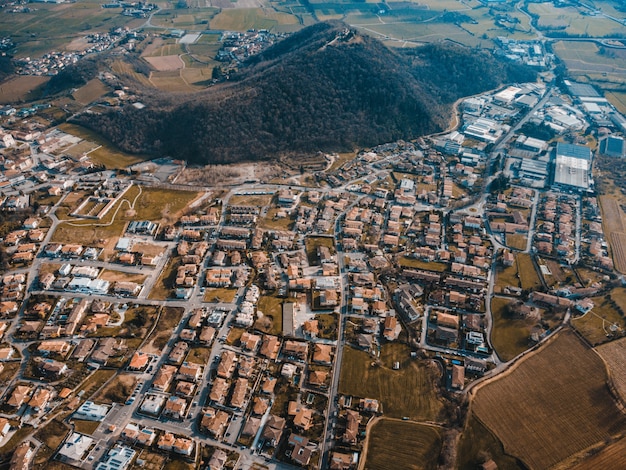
(171, 81)
(242, 19)
(570, 20)
(614, 354)
(509, 336)
(409, 391)
(21, 88)
(618, 248)
(166, 63)
(516, 241)
(540, 426)
(90, 92)
(612, 456)
(415, 446)
(475, 442)
(617, 99)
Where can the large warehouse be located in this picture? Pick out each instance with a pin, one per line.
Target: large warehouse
(572, 167)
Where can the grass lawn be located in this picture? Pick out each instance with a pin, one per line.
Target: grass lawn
(340, 160)
(219, 295)
(414, 445)
(272, 222)
(529, 279)
(507, 276)
(477, 441)
(272, 308)
(234, 335)
(596, 323)
(51, 436)
(516, 241)
(199, 355)
(405, 392)
(509, 336)
(327, 324)
(312, 243)
(260, 200)
(420, 264)
(85, 427)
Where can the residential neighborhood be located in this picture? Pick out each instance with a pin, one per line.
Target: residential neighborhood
(209, 323)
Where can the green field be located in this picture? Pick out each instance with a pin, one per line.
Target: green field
(415, 446)
(509, 336)
(570, 20)
(595, 325)
(405, 392)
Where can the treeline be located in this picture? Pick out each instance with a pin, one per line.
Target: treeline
(324, 88)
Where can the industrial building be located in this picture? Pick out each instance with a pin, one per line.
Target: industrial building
(572, 167)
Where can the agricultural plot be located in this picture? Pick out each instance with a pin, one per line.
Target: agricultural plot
(21, 88)
(565, 406)
(614, 354)
(405, 392)
(415, 446)
(51, 26)
(571, 21)
(166, 63)
(90, 92)
(612, 456)
(617, 99)
(254, 18)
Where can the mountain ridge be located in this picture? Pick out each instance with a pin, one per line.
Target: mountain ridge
(324, 88)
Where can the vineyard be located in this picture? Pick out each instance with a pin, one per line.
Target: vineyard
(552, 405)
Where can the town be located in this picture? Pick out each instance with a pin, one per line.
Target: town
(211, 323)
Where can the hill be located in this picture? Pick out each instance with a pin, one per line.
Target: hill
(324, 88)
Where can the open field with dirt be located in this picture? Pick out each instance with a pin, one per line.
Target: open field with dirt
(21, 88)
(618, 249)
(410, 391)
(166, 63)
(613, 226)
(119, 276)
(565, 406)
(169, 318)
(117, 390)
(415, 446)
(614, 354)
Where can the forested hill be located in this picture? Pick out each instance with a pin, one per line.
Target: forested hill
(325, 88)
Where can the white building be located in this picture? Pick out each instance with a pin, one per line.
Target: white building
(118, 458)
(89, 411)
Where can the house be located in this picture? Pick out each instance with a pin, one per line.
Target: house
(302, 450)
(457, 379)
(164, 378)
(238, 397)
(322, 353)
(341, 461)
(139, 361)
(19, 396)
(353, 419)
(226, 367)
(270, 345)
(249, 341)
(268, 385)
(175, 407)
(295, 350)
(40, 399)
(22, 457)
(318, 378)
(251, 428)
(53, 368)
(152, 404)
(218, 460)
(260, 405)
(89, 411)
(214, 422)
(219, 389)
(117, 458)
(190, 371)
(60, 348)
(391, 329)
(273, 430)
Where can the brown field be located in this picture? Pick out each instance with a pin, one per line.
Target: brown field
(20, 88)
(166, 62)
(618, 248)
(529, 279)
(552, 405)
(117, 390)
(90, 92)
(613, 225)
(612, 456)
(415, 446)
(614, 354)
(119, 276)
